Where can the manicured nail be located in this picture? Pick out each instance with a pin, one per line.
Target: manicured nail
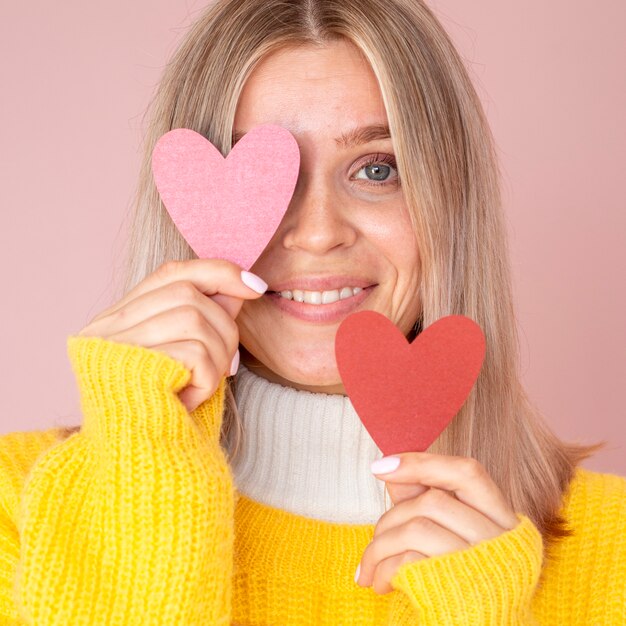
(385, 465)
(234, 366)
(253, 281)
(358, 571)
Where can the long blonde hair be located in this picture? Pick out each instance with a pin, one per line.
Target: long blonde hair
(449, 169)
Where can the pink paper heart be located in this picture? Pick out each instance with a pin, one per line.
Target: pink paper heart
(227, 208)
(406, 393)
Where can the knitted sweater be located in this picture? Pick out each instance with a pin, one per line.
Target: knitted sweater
(136, 520)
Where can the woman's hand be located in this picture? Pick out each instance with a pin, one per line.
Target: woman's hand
(185, 309)
(441, 504)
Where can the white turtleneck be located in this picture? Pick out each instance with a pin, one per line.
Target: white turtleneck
(307, 453)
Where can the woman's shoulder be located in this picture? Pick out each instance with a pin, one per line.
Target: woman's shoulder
(595, 487)
(19, 451)
(582, 581)
(22, 447)
(596, 500)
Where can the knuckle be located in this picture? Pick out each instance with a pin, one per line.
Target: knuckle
(434, 498)
(184, 291)
(189, 316)
(197, 348)
(225, 263)
(168, 269)
(418, 524)
(120, 315)
(471, 467)
(409, 556)
(222, 265)
(205, 360)
(381, 525)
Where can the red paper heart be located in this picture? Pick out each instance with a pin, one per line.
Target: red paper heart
(406, 394)
(227, 208)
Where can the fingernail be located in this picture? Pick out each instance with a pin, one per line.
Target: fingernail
(358, 571)
(385, 465)
(234, 366)
(253, 281)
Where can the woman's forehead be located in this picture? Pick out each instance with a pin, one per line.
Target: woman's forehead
(326, 90)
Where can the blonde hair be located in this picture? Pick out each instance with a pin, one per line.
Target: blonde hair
(448, 165)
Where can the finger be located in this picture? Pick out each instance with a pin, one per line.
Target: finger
(464, 476)
(205, 374)
(444, 509)
(399, 492)
(230, 304)
(183, 323)
(210, 276)
(420, 534)
(388, 567)
(161, 300)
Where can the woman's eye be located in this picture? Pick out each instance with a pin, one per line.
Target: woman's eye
(378, 170)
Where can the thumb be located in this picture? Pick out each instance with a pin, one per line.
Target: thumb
(231, 304)
(398, 492)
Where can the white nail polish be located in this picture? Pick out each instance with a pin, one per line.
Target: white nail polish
(253, 281)
(234, 366)
(358, 571)
(385, 465)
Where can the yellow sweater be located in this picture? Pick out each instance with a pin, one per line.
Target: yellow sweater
(135, 520)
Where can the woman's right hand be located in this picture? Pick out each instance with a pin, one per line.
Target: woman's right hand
(185, 309)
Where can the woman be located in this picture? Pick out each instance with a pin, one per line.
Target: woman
(160, 510)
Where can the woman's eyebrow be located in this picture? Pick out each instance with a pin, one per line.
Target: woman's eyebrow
(353, 137)
(363, 134)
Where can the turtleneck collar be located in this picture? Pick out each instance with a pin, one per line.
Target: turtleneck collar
(307, 453)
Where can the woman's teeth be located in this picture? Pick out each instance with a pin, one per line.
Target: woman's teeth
(320, 297)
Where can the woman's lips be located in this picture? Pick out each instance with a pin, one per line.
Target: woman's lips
(320, 312)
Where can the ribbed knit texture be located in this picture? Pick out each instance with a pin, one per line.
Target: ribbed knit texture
(136, 520)
(307, 453)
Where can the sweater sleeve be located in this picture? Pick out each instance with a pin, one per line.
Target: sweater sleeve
(130, 520)
(491, 583)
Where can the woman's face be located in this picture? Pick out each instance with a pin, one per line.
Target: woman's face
(346, 223)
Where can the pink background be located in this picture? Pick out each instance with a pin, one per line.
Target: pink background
(78, 76)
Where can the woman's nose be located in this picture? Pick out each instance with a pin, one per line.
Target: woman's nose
(316, 221)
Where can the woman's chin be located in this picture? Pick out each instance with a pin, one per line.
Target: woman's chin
(310, 377)
(322, 379)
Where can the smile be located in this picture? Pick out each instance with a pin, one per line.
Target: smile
(320, 306)
(320, 297)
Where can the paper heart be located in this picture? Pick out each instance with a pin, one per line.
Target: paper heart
(406, 394)
(227, 208)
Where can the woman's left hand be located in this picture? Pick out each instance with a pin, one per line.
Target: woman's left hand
(441, 504)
